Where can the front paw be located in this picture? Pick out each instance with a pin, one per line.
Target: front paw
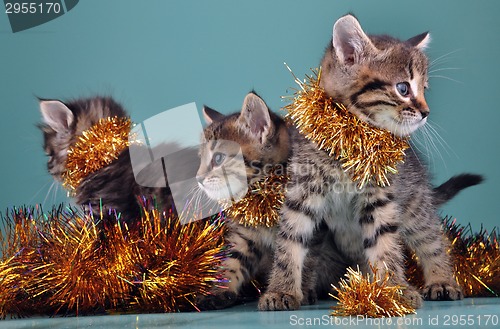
(413, 297)
(216, 301)
(277, 301)
(443, 291)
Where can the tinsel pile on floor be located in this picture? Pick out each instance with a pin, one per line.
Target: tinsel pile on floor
(63, 262)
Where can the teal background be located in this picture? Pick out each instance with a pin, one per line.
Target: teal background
(154, 55)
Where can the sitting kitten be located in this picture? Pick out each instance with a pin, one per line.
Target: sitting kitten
(382, 81)
(113, 186)
(264, 141)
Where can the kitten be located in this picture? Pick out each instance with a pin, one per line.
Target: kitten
(382, 81)
(114, 186)
(264, 141)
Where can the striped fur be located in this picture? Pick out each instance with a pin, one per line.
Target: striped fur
(382, 81)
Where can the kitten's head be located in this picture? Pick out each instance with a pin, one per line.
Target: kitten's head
(64, 122)
(256, 133)
(379, 78)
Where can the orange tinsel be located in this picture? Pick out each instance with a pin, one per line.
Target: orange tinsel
(64, 261)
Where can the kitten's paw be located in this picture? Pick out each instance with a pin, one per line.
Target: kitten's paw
(310, 297)
(413, 297)
(216, 301)
(277, 301)
(443, 291)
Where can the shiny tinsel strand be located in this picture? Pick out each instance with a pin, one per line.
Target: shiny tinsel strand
(262, 203)
(370, 296)
(95, 148)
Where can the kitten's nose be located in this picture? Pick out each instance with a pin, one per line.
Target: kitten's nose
(200, 179)
(422, 106)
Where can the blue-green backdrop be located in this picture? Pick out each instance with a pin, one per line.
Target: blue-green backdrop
(154, 55)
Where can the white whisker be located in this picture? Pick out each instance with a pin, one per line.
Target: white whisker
(445, 77)
(441, 140)
(48, 192)
(40, 190)
(443, 57)
(445, 69)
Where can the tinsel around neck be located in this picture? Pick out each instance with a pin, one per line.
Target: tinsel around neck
(261, 205)
(96, 148)
(368, 154)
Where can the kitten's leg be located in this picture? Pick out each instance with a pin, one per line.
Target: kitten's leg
(309, 278)
(382, 242)
(292, 243)
(240, 267)
(426, 239)
(330, 267)
(324, 265)
(318, 250)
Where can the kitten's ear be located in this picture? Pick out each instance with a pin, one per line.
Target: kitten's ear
(350, 41)
(210, 115)
(56, 115)
(420, 41)
(255, 117)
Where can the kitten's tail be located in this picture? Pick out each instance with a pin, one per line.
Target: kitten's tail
(446, 191)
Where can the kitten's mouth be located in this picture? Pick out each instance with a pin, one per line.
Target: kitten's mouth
(407, 125)
(398, 125)
(233, 191)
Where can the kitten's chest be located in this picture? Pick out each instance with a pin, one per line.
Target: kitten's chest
(343, 221)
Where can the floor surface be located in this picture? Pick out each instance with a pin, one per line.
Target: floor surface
(473, 313)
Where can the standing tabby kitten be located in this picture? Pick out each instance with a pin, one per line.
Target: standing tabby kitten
(382, 81)
(114, 186)
(264, 141)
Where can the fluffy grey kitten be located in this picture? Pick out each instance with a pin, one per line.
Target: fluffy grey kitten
(382, 81)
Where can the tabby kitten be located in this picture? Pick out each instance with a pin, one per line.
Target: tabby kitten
(382, 81)
(264, 141)
(113, 186)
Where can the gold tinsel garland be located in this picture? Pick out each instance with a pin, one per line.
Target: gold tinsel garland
(367, 153)
(97, 147)
(475, 256)
(371, 296)
(262, 203)
(64, 262)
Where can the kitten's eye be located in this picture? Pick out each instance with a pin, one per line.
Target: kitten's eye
(218, 158)
(403, 88)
